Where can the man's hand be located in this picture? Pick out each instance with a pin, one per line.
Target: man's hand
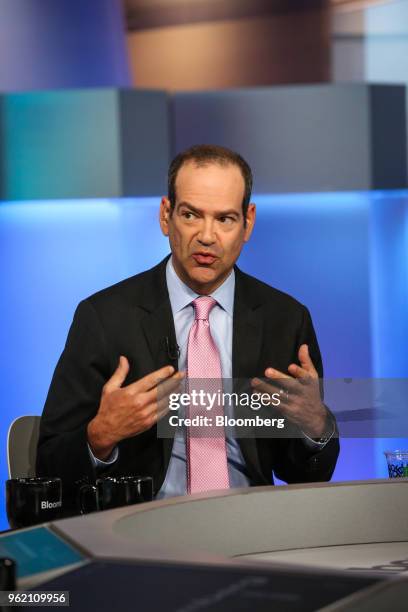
(127, 411)
(300, 394)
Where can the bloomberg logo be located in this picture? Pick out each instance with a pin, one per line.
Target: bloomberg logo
(46, 505)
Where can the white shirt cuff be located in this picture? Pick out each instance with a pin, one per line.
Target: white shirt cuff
(318, 444)
(99, 463)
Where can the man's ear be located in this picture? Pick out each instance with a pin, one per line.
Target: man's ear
(250, 221)
(164, 215)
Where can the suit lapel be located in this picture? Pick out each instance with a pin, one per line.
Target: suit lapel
(158, 324)
(246, 349)
(158, 328)
(159, 331)
(247, 331)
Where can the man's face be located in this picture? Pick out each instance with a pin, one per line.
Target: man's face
(206, 229)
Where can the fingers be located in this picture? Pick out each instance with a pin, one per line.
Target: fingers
(162, 407)
(302, 376)
(304, 373)
(158, 393)
(170, 384)
(154, 411)
(284, 387)
(151, 381)
(305, 360)
(287, 384)
(278, 379)
(276, 374)
(119, 376)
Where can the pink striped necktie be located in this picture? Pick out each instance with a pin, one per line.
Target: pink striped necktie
(207, 467)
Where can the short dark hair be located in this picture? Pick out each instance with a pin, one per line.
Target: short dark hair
(203, 155)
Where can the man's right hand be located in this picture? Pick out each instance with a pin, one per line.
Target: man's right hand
(127, 411)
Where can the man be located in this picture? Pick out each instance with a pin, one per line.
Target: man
(103, 405)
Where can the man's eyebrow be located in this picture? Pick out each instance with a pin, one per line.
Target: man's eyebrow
(220, 213)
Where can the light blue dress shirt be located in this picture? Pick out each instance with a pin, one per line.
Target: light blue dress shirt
(221, 317)
(181, 297)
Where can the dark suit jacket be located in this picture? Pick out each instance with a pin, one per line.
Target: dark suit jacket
(133, 318)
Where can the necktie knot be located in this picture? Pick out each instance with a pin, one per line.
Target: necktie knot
(203, 306)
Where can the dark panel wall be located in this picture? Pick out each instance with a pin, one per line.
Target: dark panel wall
(309, 138)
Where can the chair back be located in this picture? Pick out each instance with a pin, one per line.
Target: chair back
(22, 441)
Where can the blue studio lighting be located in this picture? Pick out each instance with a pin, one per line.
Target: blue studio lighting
(342, 254)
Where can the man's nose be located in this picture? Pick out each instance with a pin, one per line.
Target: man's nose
(207, 235)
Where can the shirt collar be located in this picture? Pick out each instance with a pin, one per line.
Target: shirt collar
(181, 295)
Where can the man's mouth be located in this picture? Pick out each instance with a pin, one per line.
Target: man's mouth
(205, 259)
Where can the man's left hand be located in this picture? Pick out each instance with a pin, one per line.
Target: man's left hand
(300, 394)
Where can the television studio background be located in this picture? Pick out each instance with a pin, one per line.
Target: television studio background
(96, 96)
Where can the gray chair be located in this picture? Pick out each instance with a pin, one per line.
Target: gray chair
(22, 441)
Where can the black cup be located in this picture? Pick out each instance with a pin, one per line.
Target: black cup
(7, 574)
(33, 500)
(113, 492)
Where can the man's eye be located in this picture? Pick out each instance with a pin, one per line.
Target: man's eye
(188, 215)
(226, 220)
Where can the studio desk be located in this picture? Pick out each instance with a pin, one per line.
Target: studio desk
(353, 533)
